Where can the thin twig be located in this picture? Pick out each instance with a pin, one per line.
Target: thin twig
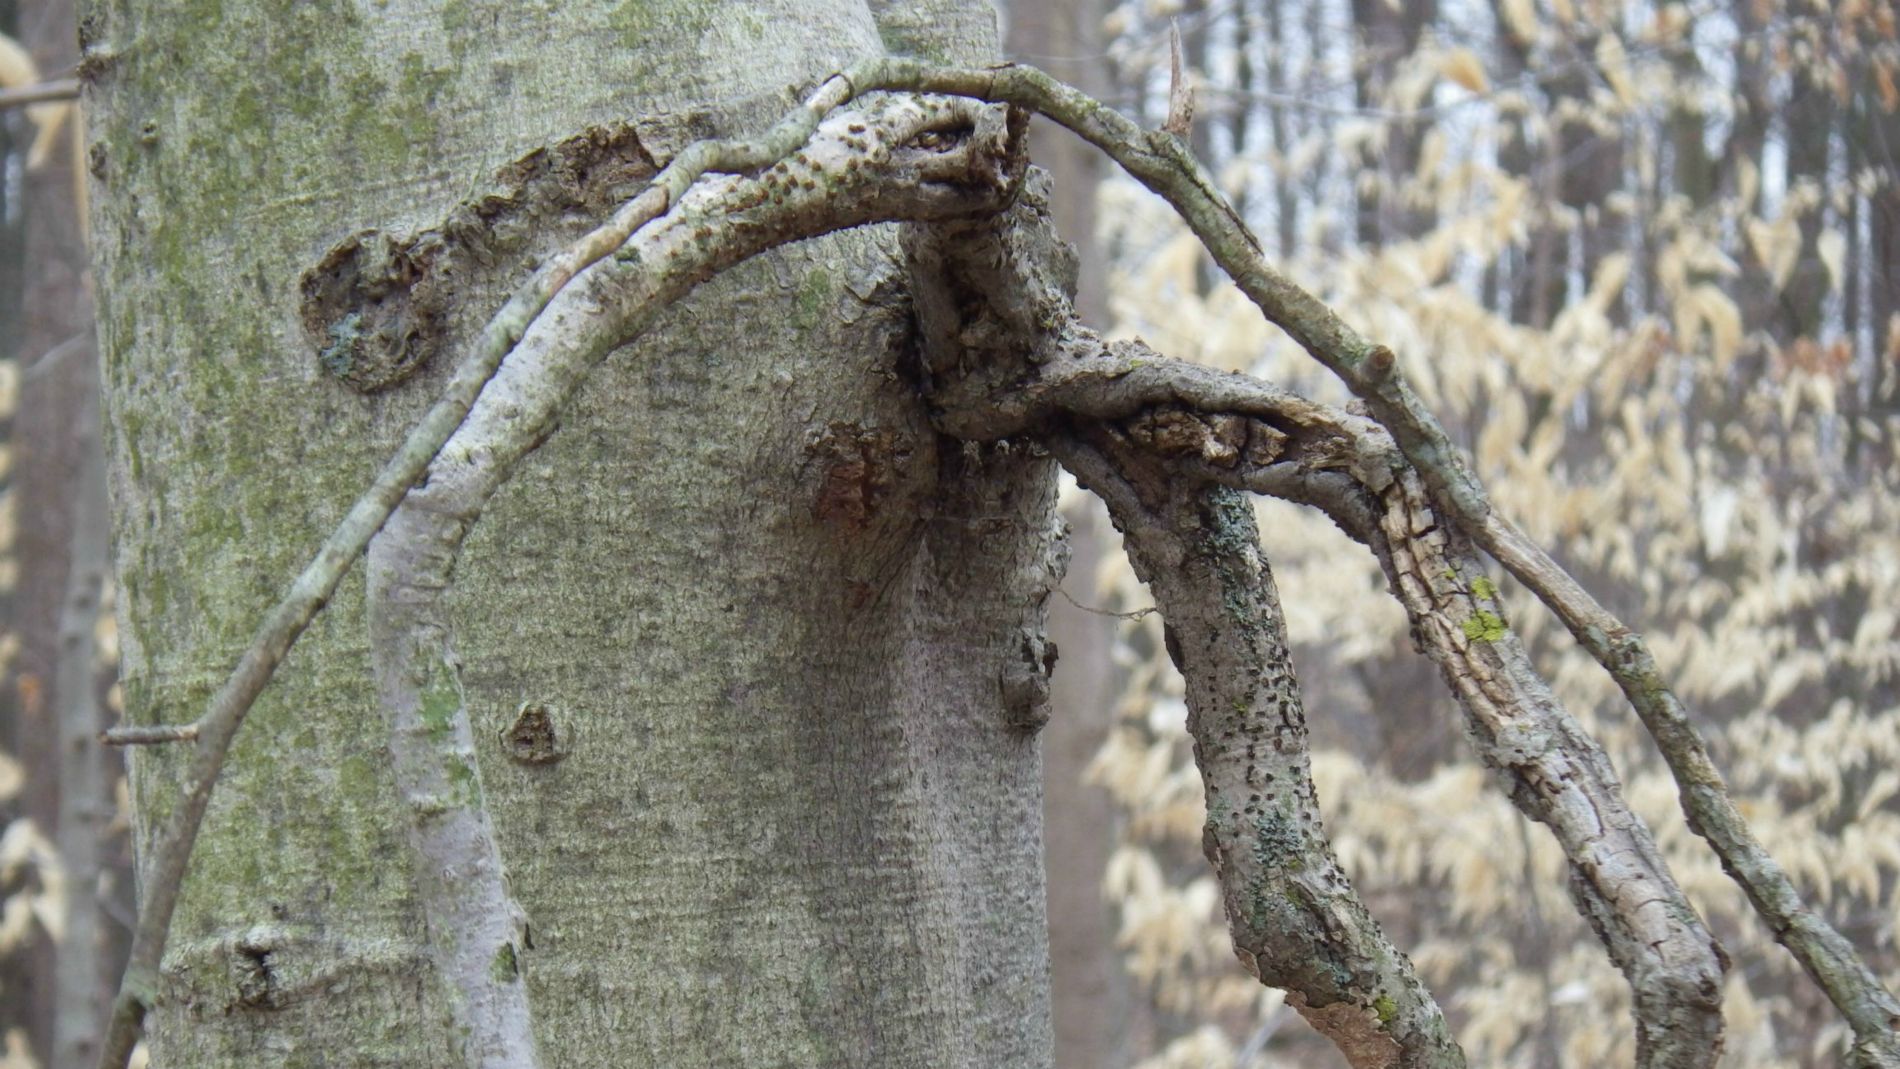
(148, 734)
(50, 359)
(21, 96)
(1133, 614)
(1180, 121)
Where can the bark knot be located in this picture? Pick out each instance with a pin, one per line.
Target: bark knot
(859, 468)
(376, 306)
(534, 737)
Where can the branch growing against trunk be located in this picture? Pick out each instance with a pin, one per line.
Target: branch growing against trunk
(1164, 165)
(1152, 435)
(932, 178)
(1296, 922)
(904, 158)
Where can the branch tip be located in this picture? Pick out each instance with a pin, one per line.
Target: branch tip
(1180, 119)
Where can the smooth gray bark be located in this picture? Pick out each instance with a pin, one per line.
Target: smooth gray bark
(769, 611)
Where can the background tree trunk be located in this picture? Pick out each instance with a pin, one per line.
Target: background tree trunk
(769, 607)
(51, 688)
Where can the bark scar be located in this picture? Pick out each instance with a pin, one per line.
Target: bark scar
(376, 306)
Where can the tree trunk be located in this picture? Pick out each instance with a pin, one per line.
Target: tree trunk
(788, 820)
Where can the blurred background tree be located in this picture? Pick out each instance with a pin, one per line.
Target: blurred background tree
(65, 860)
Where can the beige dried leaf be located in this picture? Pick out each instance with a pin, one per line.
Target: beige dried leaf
(1777, 245)
(22, 846)
(1832, 248)
(1747, 183)
(1520, 18)
(17, 69)
(19, 1052)
(1723, 318)
(1614, 63)
(1463, 68)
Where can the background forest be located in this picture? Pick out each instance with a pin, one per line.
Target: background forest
(1644, 259)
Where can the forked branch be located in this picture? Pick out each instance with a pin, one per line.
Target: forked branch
(1162, 163)
(1153, 437)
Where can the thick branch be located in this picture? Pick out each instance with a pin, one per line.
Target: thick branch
(1026, 368)
(1163, 164)
(1296, 922)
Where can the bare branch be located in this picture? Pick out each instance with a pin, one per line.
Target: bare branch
(1180, 121)
(20, 96)
(1137, 427)
(1160, 162)
(148, 734)
(1296, 922)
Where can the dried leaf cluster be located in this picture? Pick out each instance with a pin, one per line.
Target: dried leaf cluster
(1600, 241)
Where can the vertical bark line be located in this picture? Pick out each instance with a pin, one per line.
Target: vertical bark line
(1296, 922)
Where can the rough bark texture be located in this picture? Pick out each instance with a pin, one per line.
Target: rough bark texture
(773, 620)
(997, 287)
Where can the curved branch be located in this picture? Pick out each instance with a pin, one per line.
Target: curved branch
(1297, 923)
(989, 302)
(1162, 163)
(1027, 368)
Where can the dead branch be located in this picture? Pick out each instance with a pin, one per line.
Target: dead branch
(1152, 436)
(1159, 161)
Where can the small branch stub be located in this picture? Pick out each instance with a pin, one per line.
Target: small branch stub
(147, 735)
(1180, 94)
